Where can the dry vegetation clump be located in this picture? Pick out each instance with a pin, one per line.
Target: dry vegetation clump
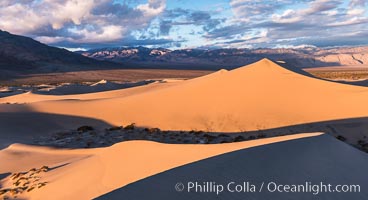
(85, 129)
(130, 126)
(363, 145)
(209, 138)
(340, 137)
(224, 135)
(252, 137)
(153, 130)
(20, 182)
(89, 137)
(239, 139)
(341, 75)
(115, 128)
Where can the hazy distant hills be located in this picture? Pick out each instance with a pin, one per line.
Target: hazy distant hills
(229, 58)
(19, 52)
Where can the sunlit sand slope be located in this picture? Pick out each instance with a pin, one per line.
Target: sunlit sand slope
(86, 174)
(258, 96)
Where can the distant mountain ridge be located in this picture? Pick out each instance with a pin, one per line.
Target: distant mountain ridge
(19, 52)
(230, 58)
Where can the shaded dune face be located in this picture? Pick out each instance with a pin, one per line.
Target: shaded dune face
(258, 96)
(310, 160)
(24, 127)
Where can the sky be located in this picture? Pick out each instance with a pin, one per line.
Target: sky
(179, 24)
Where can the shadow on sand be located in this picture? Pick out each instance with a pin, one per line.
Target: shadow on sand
(315, 160)
(23, 127)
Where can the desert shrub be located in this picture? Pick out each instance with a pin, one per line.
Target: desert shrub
(3, 191)
(30, 189)
(15, 176)
(239, 138)
(340, 137)
(85, 128)
(44, 168)
(39, 185)
(195, 132)
(89, 144)
(223, 135)
(130, 127)
(115, 128)
(209, 138)
(361, 142)
(252, 137)
(153, 130)
(93, 133)
(13, 191)
(61, 135)
(261, 136)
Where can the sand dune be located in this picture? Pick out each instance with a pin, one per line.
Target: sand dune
(31, 97)
(262, 95)
(86, 174)
(312, 159)
(258, 96)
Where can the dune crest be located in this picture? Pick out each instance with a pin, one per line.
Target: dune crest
(258, 96)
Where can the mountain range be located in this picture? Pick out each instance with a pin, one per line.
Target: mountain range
(19, 53)
(231, 58)
(26, 55)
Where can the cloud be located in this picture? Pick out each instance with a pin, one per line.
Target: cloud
(316, 22)
(247, 10)
(77, 21)
(152, 8)
(165, 26)
(228, 32)
(354, 3)
(185, 17)
(237, 23)
(288, 16)
(129, 41)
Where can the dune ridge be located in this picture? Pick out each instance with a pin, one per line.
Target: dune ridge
(258, 96)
